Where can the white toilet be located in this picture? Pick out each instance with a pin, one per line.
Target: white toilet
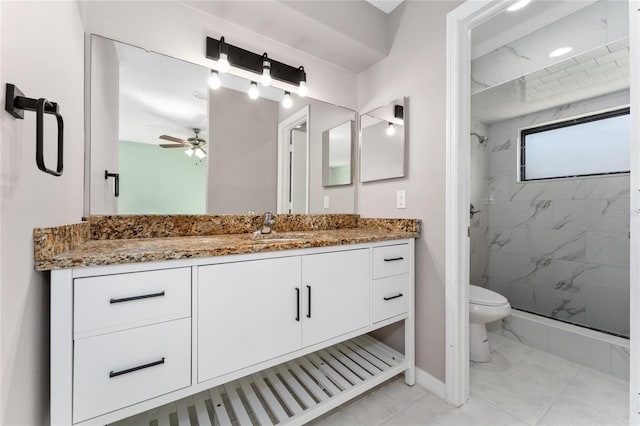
(484, 306)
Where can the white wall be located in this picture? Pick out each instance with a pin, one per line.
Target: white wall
(341, 198)
(105, 105)
(415, 67)
(243, 149)
(42, 53)
(381, 155)
(179, 30)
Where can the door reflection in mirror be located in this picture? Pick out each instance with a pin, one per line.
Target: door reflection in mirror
(336, 154)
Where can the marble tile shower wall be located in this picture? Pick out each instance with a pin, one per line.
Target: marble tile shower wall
(559, 248)
(479, 250)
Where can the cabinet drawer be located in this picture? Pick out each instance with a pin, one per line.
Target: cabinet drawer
(116, 370)
(390, 260)
(117, 302)
(390, 297)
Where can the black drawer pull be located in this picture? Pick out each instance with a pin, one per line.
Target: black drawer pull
(144, 296)
(113, 374)
(309, 302)
(393, 259)
(297, 304)
(393, 297)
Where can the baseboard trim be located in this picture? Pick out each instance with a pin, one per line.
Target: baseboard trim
(430, 383)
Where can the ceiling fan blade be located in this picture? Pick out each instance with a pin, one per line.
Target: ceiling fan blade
(172, 139)
(170, 145)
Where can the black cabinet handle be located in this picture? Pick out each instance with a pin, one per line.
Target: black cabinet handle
(297, 304)
(113, 374)
(391, 259)
(309, 302)
(116, 176)
(143, 296)
(393, 297)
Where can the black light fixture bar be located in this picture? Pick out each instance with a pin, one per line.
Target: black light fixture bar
(253, 62)
(398, 112)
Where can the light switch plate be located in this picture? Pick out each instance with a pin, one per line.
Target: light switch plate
(401, 199)
(326, 201)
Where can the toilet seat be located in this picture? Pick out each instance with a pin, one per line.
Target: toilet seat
(485, 297)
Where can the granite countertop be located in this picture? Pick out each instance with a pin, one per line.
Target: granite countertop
(112, 240)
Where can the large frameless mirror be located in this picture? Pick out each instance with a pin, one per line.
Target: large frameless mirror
(179, 146)
(383, 140)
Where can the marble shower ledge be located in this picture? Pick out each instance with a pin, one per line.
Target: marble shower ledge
(111, 240)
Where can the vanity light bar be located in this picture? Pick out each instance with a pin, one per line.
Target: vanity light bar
(398, 112)
(254, 62)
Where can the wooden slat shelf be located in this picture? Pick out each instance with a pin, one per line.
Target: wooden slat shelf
(289, 393)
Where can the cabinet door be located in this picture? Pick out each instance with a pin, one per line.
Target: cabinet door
(246, 314)
(336, 288)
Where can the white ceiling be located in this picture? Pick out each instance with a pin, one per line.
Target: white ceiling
(595, 73)
(163, 95)
(156, 96)
(509, 26)
(351, 34)
(601, 70)
(387, 6)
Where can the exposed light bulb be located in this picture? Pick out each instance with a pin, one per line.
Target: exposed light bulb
(560, 51)
(223, 63)
(391, 129)
(518, 5)
(286, 101)
(200, 153)
(254, 93)
(265, 79)
(214, 80)
(189, 152)
(302, 89)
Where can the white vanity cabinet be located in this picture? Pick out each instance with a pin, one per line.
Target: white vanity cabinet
(391, 284)
(336, 290)
(246, 314)
(131, 339)
(256, 310)
(209, 332)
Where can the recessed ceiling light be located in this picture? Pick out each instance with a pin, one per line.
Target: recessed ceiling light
(560, 51)
(518, 5)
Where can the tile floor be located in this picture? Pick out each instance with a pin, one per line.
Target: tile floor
(520, 386)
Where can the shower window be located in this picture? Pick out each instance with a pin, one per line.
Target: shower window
(592, 145)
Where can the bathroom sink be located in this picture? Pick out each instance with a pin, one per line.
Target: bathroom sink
(269, 238)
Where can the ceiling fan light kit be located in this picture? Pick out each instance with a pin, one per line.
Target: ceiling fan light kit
(195, 145)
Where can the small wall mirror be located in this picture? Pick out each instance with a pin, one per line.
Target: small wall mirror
(337, 144)
(383, 139)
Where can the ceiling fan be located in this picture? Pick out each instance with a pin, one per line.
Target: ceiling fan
(194, 144)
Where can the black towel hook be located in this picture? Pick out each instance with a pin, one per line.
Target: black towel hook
(16, 103)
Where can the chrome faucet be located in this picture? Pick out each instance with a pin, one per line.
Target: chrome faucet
(268, 222)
